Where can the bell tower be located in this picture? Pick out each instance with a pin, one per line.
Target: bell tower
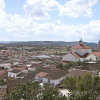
(81, 42)
(99, 45)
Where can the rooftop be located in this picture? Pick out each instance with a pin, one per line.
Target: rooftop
(78, 72)
(42, 74)
(57, 74)
(96, 53)
(80, 47)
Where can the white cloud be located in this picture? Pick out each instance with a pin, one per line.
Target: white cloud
(58, 21)
(14, 27)
(37, 9)
(2, 13)
(75, 8)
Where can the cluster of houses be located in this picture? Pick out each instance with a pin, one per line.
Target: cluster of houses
(18, 64)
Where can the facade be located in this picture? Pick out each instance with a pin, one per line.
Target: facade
(81, 53)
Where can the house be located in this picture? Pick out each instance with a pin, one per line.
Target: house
(55, 77)
(16, 71)
(39, 77)
(80, 53)
(79, 73)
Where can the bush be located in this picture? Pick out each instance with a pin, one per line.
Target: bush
(59, 65)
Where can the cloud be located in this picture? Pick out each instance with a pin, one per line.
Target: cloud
(22, 29)
(16, 28)
(2, 13)
(75, 8)
(37, 9)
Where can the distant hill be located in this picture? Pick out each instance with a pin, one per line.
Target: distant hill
(53, 43)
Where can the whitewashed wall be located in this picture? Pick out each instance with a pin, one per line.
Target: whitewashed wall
(31, 69)
(10, 74)
(92, 57)
(70, 57)
(45, 80)
(38, 78)
(81, 51)
(58, 81)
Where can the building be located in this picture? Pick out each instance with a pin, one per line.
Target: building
(55, 77)
(16, 71)
(80, 73)
(80, 53)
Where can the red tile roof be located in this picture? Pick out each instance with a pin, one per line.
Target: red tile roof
(21, 68)
(78, 56)
(96, 53)
(80, 47)
(42, 74)
(2, 72)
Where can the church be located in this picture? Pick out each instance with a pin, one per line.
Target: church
(80, 53)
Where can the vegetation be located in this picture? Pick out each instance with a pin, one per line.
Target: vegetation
(31, 91)
(3, 82)
(73, 64)
(83, 88)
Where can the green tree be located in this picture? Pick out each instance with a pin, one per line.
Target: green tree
(70, 83)
(59, 65)
(23, 91)
(51, 93)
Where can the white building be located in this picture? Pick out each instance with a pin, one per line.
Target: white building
(81, 52)
(15, 72)
(55, 77)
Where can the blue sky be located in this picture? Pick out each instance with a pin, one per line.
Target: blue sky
(50, 20)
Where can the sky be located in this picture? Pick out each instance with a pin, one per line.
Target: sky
(50, 20)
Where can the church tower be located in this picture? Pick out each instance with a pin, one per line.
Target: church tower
(99, 45)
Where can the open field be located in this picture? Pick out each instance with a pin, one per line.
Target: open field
(55, 50)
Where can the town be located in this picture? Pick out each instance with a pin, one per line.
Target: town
(20, 64)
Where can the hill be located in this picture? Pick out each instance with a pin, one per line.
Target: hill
(53, 43)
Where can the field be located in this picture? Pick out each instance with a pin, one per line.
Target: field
(56, 50)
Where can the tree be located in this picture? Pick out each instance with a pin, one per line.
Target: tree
(59, 65)
(32, 91)
(51, 93)
(70, 83)
(23, 91)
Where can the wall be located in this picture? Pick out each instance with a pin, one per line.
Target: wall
(38, 78)
(31, 69)
(58, 81)
(10, 74)
(70, 57)
(92, 57)
(45, 80)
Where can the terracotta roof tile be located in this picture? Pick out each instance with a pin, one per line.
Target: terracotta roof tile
(96, 53)
(2, 72)
(42, 74)
(21, 68)
(80, 47)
